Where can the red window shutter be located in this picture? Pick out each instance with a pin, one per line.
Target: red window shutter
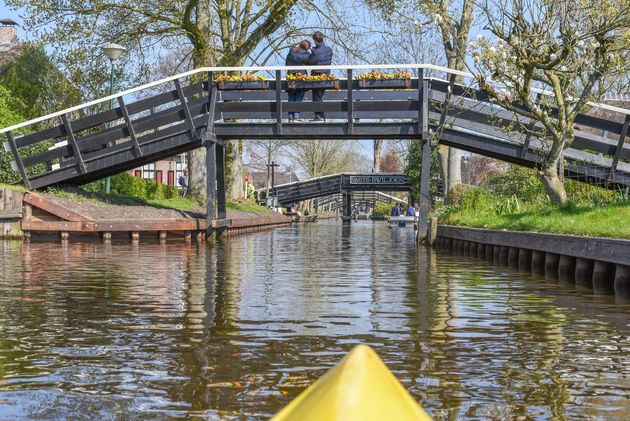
(138, 173)
(158, 177)
(171, 178)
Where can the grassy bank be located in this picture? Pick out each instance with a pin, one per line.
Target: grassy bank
(611, 220)
(518, 202)
(178, 203)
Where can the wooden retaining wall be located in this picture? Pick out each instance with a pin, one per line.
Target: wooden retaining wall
(35, 216)
(10, 213)
(599, 264)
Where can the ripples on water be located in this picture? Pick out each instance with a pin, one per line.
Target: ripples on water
(237, 330)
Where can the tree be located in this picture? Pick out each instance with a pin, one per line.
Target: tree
(262, 153)
(453, 21)
(322, 157)
(377, 146)
(211, 32)
(390, 162)
(570, 49)
(40, 85)
(9, 115)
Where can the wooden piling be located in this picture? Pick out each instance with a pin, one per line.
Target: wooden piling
(504, 254)
(106, 237)
(135, 237)
(496, 255)
(513, 257)
(525, 259)
(622, 281)
(538, 262)
(603, 277)
(489, 252)
(566, 268)
(551, 265)
(584, 273)
(162, 237)
(481, 251)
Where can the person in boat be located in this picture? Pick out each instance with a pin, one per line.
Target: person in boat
(410, 211)
(297, 56)
(321, 55)
(396, 210)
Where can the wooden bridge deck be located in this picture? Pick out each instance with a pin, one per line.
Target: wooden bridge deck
(290, 193)
(83, 148)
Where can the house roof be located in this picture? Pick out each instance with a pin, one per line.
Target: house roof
(8, 22)
(259, 178)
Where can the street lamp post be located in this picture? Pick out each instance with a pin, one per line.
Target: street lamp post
(113, 53)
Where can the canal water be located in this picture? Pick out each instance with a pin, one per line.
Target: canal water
(237, 330)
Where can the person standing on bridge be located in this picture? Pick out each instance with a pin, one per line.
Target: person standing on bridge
(396, 210)
(297, 56)
(321, 55)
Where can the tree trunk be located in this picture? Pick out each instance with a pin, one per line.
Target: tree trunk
(378, 146)
(454, 167)
(443, 153)
(235, 170)
(554, 186)
(197, 159)
(197, 173)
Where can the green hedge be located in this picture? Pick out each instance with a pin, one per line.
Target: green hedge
(124, 184)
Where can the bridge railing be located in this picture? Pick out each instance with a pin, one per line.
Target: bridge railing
(168, 116)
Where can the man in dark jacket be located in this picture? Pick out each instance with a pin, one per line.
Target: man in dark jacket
(297, 56)
(321, 55)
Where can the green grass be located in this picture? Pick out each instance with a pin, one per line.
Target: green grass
(177, 203)
(14, 187)
(609, 220)
(246, 206)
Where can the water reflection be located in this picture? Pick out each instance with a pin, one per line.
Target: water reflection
(237, 330)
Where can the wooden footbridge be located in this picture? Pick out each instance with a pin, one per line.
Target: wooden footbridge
(343, 184)
(190, 110)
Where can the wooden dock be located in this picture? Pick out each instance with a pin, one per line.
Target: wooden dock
(43, 218)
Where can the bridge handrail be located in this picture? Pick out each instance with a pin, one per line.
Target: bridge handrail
(270, 68)
(340, 174)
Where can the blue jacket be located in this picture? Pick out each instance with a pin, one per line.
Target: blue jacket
(396, 211)
(297, 57)
(321, 56)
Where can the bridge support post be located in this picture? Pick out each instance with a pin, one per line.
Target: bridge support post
(347, 206)
(211, 180)
(425, 174)
(220, 175)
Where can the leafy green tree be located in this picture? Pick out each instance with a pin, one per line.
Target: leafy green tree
(198, 32)
(40, 85)
(9, 115)
(569, 49)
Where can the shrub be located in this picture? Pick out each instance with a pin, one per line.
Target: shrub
(457, 193)
(382, 209)
(124, 184)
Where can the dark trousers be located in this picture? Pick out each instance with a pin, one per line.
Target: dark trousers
(295, 95)
(318, 96)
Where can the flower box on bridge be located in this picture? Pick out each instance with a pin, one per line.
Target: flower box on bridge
(384, 83)
(245, 85)
(314, 84)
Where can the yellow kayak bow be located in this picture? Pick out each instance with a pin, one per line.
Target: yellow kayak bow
(359, 388)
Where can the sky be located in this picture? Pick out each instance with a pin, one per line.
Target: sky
(5, 12)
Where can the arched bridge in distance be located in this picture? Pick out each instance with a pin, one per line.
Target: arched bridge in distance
(344, 184)
(190, 110)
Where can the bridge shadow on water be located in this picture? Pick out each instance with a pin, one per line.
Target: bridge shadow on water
(240, 328)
